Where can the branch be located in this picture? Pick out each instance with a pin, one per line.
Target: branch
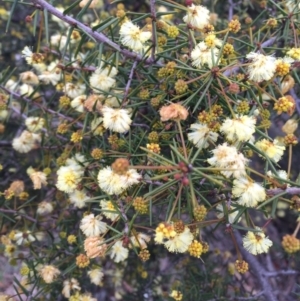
(97, 36)
(18, 96)
(129, 81)
(153, 16)
(289, 190)
(18, 213)
(230, 10)
(280, 273)
(296, 98)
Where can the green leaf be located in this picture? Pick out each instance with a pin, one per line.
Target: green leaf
(11, 13)
(73, 5)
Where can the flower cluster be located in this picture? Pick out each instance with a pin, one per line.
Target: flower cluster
(132, 133)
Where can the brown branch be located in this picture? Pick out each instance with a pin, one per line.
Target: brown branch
(289, 190)
(18, 96)
(153, 16)
(18, 213)
(97, 36)
(129, 81)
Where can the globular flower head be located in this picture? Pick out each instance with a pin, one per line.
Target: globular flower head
(92, 225)
(34, 124)
(74, 90)
(248, 192)
(68, 178)
(239, 129)
(32, 58)
(285, 104)
(201, 135)
(78, 103)
(103, 78)
(262, 67)
(23, 238)
(50, 77)
(290, 126)
(140, 240)
(96, 276)
(283, 66)
(132, 36)
(93, 4)
(256, 242)
(202, 55)
(272, 149)
(117, 120)
(118, 252)
(26, 142)
(180, 242)
(294, 53)
(197, 16)
(176, 295)
(173, 111)
(109, 210)
(69, 285)
(113, 183)
(29, 77)
(48, 273)
(44, 208)
(241, 266)
(78, 198)
(175, 240)
(227, 158)
(290, 244)
(38, 178)
(109, 181)
(94, 247)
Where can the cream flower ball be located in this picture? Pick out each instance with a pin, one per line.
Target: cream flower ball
(74, 90)
(78, 103)
(257, 242)
(197, 16)
(92, 225)
(78, 198)
(273, 149)
(262, 67)
(109, 210)
(249, 193)
(113, 183)
(180, 242)
(118, 252)
(103, 79)
(229, 160)
(239, 129)
(201, 135)
(26, 142)
(34, 124)
(68, 177)
(117, 120)
(48, 273)
(202, 54)
(132, 36)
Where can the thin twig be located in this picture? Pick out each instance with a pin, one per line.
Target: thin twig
(281, 273)
(296, 98)
(289, 190)
(18, 96)
(18, 213)
(153, 16)
(129, 81)
(230, 10)
(97, 36)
